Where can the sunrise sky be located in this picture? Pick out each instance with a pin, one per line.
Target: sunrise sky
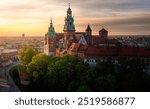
(32, 16)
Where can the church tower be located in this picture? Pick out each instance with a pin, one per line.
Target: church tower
(88, 35)
(103, 33)
(50, 41)
(69, 29)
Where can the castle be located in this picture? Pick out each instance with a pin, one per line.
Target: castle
(59, 43)
(91, 48)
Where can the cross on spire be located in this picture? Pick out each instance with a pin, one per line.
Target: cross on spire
(69, 3)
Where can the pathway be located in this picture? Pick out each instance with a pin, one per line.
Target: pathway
(6, 82)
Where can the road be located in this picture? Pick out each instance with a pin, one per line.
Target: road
(6, 82)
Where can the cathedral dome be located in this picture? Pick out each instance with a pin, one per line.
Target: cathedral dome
(51, 30)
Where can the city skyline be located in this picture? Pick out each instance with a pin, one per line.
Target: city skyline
(32, 17)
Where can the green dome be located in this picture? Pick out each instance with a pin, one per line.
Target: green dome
(51, 31)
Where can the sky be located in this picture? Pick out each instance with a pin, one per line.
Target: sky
(32, 17)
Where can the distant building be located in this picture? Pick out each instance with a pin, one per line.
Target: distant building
(1, 50)
(8, 56)
(23, 35)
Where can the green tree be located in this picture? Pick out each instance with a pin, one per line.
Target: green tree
(15, 74)
(106, 83)
(38, 69)
(26, 54)
(62, 73)
(105, 68)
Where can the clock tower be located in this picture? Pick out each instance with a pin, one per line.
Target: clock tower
(69, 29)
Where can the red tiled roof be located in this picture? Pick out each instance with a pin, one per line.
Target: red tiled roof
(128, 51)
(144, 52)
(82, 48)
(74, 47)
(101, 51)
(117, 51)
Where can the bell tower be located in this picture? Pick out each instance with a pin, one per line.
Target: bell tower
(69, 29)
(88, 35)
(50, 41)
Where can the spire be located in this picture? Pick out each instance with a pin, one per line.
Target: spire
(88, 28)
(51, 24)
(69, 12)
(51, 29)
(69, 20)
(69, 4)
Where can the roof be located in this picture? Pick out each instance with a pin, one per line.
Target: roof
(88, 28)
(82, 41)
(9, 52)
(74, 47)
(103, 30)
(51, 31)
(115, 51)
(82, 48)
(103, 51)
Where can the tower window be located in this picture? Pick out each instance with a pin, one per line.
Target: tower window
(70, 23)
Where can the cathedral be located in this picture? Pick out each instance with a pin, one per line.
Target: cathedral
(89, 48)
(56, 44)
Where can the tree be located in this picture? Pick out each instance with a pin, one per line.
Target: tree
(61, 73)
(38, 69)
(132, 75)
(67, 73)
(26, 54)
(105, 68)
(105, 83)
(15, 74)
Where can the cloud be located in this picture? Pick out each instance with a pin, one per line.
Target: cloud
(121, 25)
(116, 15)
